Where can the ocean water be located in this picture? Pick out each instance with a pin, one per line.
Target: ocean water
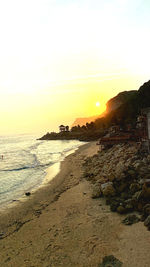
(24, 161)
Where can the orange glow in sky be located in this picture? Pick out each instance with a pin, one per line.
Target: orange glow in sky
(56, 63)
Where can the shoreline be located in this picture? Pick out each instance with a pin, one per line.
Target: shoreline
(61, 225)
(51, 172)
(53, 180)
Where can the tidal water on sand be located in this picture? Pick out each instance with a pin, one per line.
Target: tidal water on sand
(24, 160)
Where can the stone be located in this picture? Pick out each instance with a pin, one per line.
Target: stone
(129, 207)
(137, 165)
(27, 193)
(120, 185)
(96, 193)
(108, 189)
(111, 177)
(145, 212)
(131, 173)
(148, 157)
(140, 206)
(119, 168)
(134, 187)
(130, 219)
(121, 210)
(2, 235)
(137, 196)
(124, 195)
(146, 190)
(110, 261)
(146, 209)
(147, 222)
(144, 160)
(114, 205)
(145, 180)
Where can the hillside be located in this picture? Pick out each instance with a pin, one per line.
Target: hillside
(111, 105)
(129, 110)
(119, 100)
(121, 110)
(83, 121)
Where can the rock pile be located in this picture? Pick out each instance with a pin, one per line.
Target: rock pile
(122, 175)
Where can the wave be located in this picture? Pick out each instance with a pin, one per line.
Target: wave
(29, 167)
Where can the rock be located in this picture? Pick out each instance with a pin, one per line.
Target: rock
(137, 196)
(111, 177)
(2, 235)
(114, 205)
(144, 160)
(147, 222)
(131, 173)
(145, 212)
(108, 189)
(120, 185)
(137, 165)
(108, 201)
(140, 206)
(145, 180)
(130, 219)
(148, 158)
(121, 209)
(124, 195)
(146, 190)
(27, 193)
(134, 187)
(110, 261)
(146, 209)
(119, 168)
(129, 207)
(96, 193)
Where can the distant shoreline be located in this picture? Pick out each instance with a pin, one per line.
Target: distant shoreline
(81, 136)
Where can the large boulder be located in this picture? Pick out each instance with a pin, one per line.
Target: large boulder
(110, 261)
(145, 212)
(108, 189)
(134, 187)
(130, 219)
(147, 222)
(96, 191)
(146, 190)
(121, 209)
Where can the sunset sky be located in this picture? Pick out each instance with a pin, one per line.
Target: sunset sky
(59, 57)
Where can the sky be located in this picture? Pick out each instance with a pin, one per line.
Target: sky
(58, 58)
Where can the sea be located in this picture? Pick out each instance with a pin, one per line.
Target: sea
(24, 161)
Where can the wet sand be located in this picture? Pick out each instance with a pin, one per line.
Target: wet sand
(61, 225)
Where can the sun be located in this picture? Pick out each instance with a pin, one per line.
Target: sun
(97, 104)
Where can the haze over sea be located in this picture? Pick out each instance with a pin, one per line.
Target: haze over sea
(24, 163)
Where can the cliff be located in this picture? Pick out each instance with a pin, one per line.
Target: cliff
(119, 100)
(83, 121)
(111, 105)
(121, 110)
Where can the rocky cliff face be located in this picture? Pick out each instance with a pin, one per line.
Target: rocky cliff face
(111, 105)
(120, 99)
(127, 104)
(83, 121)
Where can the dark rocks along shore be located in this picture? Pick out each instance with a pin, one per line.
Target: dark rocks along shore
(121, 174)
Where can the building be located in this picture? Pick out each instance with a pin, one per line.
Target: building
(140, 135)
(63, 128)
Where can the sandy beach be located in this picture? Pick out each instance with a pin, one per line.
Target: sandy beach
(61, 225)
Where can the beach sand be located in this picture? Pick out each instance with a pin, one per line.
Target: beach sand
(61, 225)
